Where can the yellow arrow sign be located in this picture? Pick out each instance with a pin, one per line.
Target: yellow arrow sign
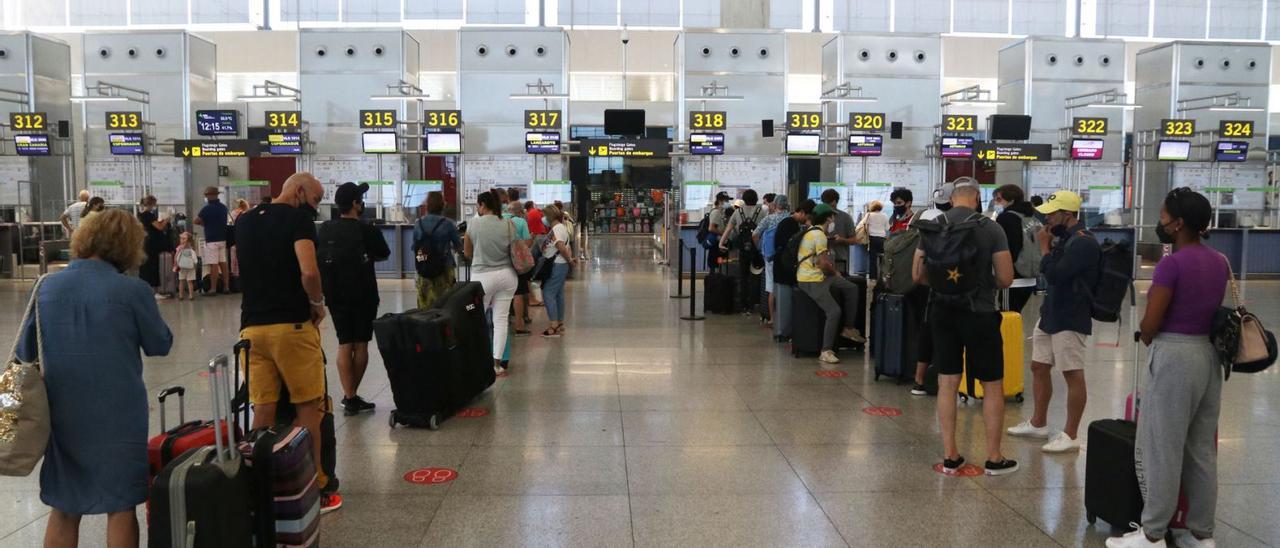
(186, 151)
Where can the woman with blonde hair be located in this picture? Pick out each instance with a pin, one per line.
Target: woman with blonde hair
(556, 249)
(97, 322)
(877, 230)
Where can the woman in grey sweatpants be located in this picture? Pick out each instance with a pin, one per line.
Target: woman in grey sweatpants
(1176, 447)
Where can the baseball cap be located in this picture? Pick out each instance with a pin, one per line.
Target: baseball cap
(943, 194)
(821, 209)
(722, 196)
(348, 193)
(212, 190)
(1062, 200)
(739, 203)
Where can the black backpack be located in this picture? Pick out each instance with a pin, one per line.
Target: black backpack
(745, 229)
(704, 230)
(787, 261)
(952, 262)
(1115, 279)
(342, 260)
(427, 259)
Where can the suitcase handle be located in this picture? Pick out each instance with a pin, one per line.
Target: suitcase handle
(221, 391)
(241, 353)
(182, 405)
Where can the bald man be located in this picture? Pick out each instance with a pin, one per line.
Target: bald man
(281, 310)
(71, 217)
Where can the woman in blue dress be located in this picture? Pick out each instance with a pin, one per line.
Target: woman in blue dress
(94, 322)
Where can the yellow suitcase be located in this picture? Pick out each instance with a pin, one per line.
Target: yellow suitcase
(1011, 335)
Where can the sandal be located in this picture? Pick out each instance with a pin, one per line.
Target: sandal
(552, 332)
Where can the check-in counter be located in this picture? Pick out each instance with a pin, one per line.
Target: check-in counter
(1252, 251)
(689, 239)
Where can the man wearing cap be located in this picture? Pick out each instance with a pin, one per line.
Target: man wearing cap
(214, 218)
(346, 252)
(817, 277)
(1069, 263)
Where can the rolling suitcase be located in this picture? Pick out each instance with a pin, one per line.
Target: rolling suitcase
(203, 498)
(173, 442)
(285, 486)
(1110, 477)
(893, 349)
(437, 360)
(1011, 339)
(168, 277)
(807, 322)
(719, 291)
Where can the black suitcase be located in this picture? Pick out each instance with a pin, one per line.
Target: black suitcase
(1110, 476)
(204, 498)
(438, 359)
(720, 290)
(808, 320)
(893, 346)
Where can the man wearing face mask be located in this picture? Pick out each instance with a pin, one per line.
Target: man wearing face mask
(1070, 258)
(1021, 224)
(902, 214)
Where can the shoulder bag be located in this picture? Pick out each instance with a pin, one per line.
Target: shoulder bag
(24, 403)
(1243, 344)
(521, 257)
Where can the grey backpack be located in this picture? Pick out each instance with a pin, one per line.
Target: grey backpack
(1027, 263)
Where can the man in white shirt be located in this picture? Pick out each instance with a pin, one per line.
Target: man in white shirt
(70, 218)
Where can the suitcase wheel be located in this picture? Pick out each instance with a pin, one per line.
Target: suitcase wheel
(391, 420)
(1090, 517)
(964, 398)
(1018, 398)
(433, 422)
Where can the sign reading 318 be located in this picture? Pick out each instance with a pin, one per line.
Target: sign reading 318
(707, 120)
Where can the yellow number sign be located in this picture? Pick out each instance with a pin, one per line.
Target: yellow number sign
(377, 118)
(1235, 128)
(287, 119)
(866, 121)
(1177, 128)
(542, 119)
(124, 120)
(444, 118)
(959, 122)
(804, 120)
(1089, 126)
(707, 119)
(28, 121)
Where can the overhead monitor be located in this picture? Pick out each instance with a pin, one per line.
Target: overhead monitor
(378, 142)
(706, 143)
(542, 142)
(1173, 150)
(1009, 127)
(1086, 149)
(31, 144)
(125, 144)
(865, 144)
(217, 122)
(626, 122)
(1231, 151)
(957, 147)
(444, 143)
(285, 143)
(803, 144)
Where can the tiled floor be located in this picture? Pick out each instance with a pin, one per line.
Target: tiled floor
(639, 429)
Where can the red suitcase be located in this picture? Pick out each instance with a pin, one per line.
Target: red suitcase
(169, 444)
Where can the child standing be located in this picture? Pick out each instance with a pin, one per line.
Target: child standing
(184, 263)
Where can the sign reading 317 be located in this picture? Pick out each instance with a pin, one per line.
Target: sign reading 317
(542, 119)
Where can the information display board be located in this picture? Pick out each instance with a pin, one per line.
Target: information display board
(1231, 151)
(698, 194)
(956, 146)
(550, 191)
(217, 122)
(1013, 152)
(125, 144)
(227, 148)
(542, 142)
(706, 143)
(865, 144)
(803, 144)
(284, 143)
(375, 142)
(31, 144)
(1086, 149)
(1173, 150)
(626, 148)
(444, 143)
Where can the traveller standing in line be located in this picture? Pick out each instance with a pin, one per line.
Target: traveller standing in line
(281, 311)
(348, 249)
(213, 217)
(1070, 258)
(538, 227)
(966, 328)
(818, 277)
(515, 214)
(902, 212)
(877, 231)
(737, 236)
(765, 237)
(841, 234)
(784, 279)
(157, 242)
(440, 233)
(1018, 218)
(918, 299)
(1178, 425)
(70, 218)
(96, 323)
(556, 245)
(487, 245)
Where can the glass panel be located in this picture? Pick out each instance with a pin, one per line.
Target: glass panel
(43, 14)
(158, 12)
(311, 10)
(786, 14)
(371, 11)
(651, 13)
(1180, 18)
(496, 12)
(1043, 17)
(982, 16)
(589, 12)
(1239, 19)
(98, 13)
(701, 14)
(218, 11)
(861, 15)
(1124, 17)
(922, 16)
(433, 9)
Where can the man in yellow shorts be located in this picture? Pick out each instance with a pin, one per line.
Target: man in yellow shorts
(282, 308)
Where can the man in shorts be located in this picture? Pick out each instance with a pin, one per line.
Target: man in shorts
(282, 308)
(213, 217)
(966, 328)
(1069, 264)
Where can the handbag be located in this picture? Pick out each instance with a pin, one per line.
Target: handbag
(521, 257)
(1242, 342)
(862, 234)
(24, 404)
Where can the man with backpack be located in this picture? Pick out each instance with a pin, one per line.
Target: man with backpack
(765, 237)
(964, 259)
(737, 236)
(784, 267)
(1070, 259)
(817, 277)
(1021, 225)
(348, 248)
(711, 227)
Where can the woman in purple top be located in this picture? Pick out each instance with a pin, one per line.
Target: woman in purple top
(1176, 445)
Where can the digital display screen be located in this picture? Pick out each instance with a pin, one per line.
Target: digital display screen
(444, 143)
(32, 144)
(1231, 151)
(126, 144)
(284, 143)
(380, 143)
(1173, 150)
(865, 145)
(217, 122)
(803, 144)
(706, 143)
(957, 147)
(538, 142)
(1086, 149)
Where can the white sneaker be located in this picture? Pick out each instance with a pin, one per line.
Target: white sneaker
(1183, 538)
(1136, 539)
(853, 334)
(1024, 429)
(1061, 443)
(828, 356)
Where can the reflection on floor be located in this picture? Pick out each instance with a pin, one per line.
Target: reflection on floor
(639, 429)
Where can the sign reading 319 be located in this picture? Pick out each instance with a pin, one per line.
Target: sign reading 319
(803, 120)
(700, 120)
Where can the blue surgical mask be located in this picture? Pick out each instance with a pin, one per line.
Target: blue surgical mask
(997, 209)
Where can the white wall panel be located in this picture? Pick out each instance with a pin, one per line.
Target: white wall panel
(311, 10)
(495, 12)
(861, 15)
(588, 12)
(1236, 19)
(98, 12)
(786, 14)
(982, 16)
(701, 14)
(158, 12)
(651, 13)
(1180, 18)
(922, 16)
(433, 9)
(1040, 17)
(1124, 17)
(371, 11)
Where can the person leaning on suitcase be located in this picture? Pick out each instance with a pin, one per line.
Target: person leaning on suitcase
(817, 277)
(1069, 262)
(281, 310)
(966, 330)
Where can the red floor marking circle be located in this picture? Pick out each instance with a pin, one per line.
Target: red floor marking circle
(966, 471)
(882, 411)
(830, 373)
(430, 476)
(502, 375)
(472, 412)
(203, 374)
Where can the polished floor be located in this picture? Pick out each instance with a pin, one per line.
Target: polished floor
(640, 429)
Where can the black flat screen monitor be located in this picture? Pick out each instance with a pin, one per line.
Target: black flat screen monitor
(125, 144)
(1172, 150)
(379, 143)
(624, 122)
(1086, 149)
(542, 142)
(865, 144)
(1009, 127)
(803, 144)
(1231, 151)
(957, 147)
(284, 143)
(706, 143)
(444, 143)
(217, 122)
(31, 144)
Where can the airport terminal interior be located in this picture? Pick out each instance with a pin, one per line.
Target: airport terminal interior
(672, 403)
